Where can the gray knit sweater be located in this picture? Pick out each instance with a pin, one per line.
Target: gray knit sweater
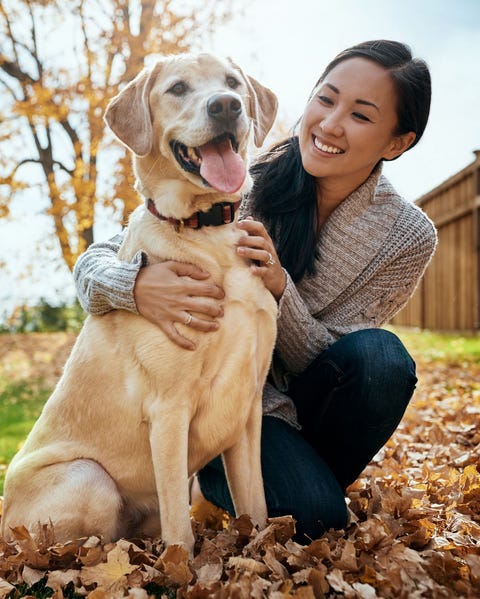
(373, 250)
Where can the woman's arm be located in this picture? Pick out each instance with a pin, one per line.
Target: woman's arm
(373, 297)
(164, 293)
(370, 301)
(103, 282)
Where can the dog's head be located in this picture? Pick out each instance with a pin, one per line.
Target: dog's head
(194, 114)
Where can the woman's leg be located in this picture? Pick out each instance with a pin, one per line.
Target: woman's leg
(297, 482)
(352, 397)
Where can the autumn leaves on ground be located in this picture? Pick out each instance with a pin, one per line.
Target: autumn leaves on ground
(415, 514)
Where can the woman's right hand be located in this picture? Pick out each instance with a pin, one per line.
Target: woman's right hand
(168, 292)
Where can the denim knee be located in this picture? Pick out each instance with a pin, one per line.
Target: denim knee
(380, 365)
(382, 345)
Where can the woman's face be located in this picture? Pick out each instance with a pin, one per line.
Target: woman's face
(349, 123)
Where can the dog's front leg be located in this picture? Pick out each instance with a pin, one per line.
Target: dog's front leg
(169, 445)
(244, 471)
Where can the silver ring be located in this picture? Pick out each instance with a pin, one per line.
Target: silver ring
(189, 319)
(270, 261)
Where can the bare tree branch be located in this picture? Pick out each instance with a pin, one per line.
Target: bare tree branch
(9, 89)
(13, 69)
(33, 34)
(33, 161)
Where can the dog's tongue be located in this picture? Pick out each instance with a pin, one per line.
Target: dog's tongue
(221, 166)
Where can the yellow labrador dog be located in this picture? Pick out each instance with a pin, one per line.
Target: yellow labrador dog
(134, 415)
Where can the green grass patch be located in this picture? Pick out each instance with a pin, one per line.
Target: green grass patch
(440, 346)
(20, 406)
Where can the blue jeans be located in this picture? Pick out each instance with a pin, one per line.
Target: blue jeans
(349, 402)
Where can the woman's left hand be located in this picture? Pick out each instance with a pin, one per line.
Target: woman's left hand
(258, 246)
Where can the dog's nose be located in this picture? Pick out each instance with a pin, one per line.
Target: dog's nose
(224, 108)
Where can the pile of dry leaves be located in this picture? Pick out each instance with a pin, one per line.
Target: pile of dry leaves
(414, 530)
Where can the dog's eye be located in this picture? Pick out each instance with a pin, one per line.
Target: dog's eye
(178, 89)
(232, 82)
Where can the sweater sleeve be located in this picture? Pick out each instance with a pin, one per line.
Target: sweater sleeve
(301, 336)
(370, 301)
(103, 281)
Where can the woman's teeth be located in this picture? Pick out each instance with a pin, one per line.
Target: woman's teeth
(328, 149)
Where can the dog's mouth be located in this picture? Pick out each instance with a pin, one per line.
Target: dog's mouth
(217, 162)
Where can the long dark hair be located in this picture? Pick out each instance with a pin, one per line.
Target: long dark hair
(285, 195)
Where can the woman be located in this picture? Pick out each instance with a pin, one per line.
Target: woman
(342, 253)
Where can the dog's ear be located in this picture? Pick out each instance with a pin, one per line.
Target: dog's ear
(128, 113)
(262, 106)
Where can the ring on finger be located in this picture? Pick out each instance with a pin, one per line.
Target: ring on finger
(188, 319)
(270, 261)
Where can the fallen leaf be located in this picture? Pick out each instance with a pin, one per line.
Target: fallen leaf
(5, 588)
(174, 564)
(247, 563)
(105, 575)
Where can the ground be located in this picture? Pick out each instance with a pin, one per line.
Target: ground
(414, 530)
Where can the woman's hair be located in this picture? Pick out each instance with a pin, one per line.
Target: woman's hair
(285, 195)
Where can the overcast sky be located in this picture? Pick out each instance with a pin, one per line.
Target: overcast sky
(286, 44)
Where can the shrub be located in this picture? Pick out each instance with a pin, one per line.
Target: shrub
(45, 317)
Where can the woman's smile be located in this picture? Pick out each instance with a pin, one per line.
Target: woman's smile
(325, 147)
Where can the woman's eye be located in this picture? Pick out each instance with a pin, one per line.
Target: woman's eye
(361, 116)
(178, 89)
(232, 82)
(325, 100)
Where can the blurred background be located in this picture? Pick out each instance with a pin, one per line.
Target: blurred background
(64, 181)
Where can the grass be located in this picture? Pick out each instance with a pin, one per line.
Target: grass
(430, 346)
(20, 405)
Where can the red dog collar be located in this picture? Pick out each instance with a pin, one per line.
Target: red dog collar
(219, 214)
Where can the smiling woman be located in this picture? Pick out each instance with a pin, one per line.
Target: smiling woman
(348, 126)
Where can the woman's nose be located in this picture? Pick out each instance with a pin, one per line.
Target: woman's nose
(331, 125)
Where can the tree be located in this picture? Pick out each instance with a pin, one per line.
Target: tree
(60, 63)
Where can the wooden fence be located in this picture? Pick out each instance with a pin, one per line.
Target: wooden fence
(448, 298)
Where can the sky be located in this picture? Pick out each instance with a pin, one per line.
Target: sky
(285, 45)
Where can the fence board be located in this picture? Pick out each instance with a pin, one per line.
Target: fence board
(448, 297)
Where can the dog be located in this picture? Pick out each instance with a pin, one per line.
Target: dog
(133, 415)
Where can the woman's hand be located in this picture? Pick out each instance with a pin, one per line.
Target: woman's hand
(258, 246)
(168, 292)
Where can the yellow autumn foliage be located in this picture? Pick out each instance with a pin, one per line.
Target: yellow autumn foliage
(52, 120)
